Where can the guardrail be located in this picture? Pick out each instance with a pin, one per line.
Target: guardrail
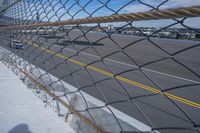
(77, 56)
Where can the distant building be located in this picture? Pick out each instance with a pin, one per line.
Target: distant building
(111, 27)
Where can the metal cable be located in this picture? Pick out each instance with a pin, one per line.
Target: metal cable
(119, 71)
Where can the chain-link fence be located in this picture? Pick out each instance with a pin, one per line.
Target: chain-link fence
(109, 65)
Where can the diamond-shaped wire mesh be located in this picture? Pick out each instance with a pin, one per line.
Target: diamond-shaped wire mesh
(123, 76)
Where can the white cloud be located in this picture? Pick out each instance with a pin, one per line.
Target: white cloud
(136, 8)
(169, 4)
(186, 2)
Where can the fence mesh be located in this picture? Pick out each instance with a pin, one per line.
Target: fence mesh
(122, 76)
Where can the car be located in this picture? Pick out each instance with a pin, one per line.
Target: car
(17, 44)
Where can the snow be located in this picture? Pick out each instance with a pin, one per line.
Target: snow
(23, 112)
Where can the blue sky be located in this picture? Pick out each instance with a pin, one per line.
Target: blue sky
(67, 9)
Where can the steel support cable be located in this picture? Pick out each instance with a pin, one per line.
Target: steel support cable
(42, 37)
(58, 99)
(150, 15)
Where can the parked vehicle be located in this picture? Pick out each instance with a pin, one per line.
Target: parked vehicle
(17, 44)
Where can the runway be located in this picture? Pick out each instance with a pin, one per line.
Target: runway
(138, 76)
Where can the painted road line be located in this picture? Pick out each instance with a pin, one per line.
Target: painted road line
(126, 64)
(120, 78)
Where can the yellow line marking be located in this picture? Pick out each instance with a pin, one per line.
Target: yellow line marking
(188, 102)
(120, 78)
(138, 84)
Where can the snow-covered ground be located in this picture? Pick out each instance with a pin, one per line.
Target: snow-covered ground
(23, 112)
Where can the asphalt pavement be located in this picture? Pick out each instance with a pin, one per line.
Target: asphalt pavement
(143, 70)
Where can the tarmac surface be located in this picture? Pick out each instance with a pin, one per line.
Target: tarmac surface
(145, 71)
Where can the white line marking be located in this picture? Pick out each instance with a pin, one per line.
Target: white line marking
(153, 71)
(124, 117)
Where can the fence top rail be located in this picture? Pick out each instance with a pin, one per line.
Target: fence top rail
(182, 12)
